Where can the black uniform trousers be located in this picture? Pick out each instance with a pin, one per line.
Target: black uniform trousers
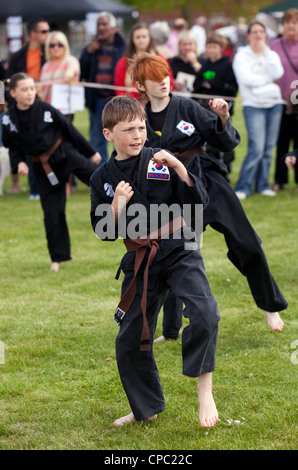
(288, 132)
(182, 271)
(225, 214)
(53, 198)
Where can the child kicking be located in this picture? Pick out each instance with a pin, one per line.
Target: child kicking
(134, 181)
(182, 126)
(35, 128)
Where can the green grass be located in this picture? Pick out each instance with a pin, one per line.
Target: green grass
(59, 386)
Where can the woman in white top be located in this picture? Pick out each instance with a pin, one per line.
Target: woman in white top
(256, 68)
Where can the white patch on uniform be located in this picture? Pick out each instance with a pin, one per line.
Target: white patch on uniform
(6, 121)
(47, 117)
(157, 171)
(108, 189)
(186, 127)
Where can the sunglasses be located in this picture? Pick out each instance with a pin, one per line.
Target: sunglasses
(43, 31)
(54, 44)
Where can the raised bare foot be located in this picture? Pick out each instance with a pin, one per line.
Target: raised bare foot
(55, 266)
(208, 415)
(274, 321)
(129, 419)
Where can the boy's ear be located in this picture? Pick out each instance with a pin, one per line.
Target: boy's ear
(140, 87)
(12, 93)
(108, 134)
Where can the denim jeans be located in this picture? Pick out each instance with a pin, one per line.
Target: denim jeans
(97, 138)
(262, 125)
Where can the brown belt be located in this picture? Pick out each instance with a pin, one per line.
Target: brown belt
(44, 160)
(199, 150)
(140, 245)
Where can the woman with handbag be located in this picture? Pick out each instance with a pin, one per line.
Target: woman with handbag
(287, 49)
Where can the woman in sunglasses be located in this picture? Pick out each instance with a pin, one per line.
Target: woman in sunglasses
(61, 67)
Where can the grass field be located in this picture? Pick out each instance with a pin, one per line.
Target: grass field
(59, 386)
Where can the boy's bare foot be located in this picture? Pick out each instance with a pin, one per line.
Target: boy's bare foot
(208, 415)
(129, 419)
(55, 266)
(274, 321)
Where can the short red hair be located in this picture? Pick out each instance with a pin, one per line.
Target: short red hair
(148, 67)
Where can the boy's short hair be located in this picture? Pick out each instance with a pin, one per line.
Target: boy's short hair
(121, 108)
(215, 38)
(148, 67)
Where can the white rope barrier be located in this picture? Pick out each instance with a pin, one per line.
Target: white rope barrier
(130, 89)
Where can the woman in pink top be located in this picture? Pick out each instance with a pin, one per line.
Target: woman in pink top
(140, 40)
(61, 67)
(287, 49)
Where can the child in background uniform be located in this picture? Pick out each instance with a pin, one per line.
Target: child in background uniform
(216, 77)
(136, 176)
(182, 126)
(33, 127)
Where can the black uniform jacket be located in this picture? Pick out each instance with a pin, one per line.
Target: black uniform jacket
(189, 125)
(46, 125)
(156, 185)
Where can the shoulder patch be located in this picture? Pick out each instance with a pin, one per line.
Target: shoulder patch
(108, 189)
(47, 117)
(156, 171)
(186, 127)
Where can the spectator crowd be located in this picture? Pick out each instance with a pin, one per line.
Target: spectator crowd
(202, 64)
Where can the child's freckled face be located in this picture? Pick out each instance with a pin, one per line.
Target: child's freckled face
(129, 137)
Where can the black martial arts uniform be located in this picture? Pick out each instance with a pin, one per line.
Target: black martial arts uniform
(183, 126)
(34, 132)
(173, 267)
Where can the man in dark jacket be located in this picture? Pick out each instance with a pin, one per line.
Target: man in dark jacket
(98, 62)
(31, 57)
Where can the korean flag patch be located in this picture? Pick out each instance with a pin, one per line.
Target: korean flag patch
(47, 117)
(157, 171)
(186, 127)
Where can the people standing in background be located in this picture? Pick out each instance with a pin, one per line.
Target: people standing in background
(186, 62)
(199, 30)
(287, 49)
(98, 61)
(216, 77)
(62, 68)
(257, 68)
(140, 40)
(29, 59)
(179, 25)
(160, 31)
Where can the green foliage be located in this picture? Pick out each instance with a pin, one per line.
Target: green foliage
(187, 8)
(59, 386)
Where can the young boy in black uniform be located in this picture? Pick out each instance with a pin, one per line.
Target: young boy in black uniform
(182, 126)
(135, 180)
(33, 127)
